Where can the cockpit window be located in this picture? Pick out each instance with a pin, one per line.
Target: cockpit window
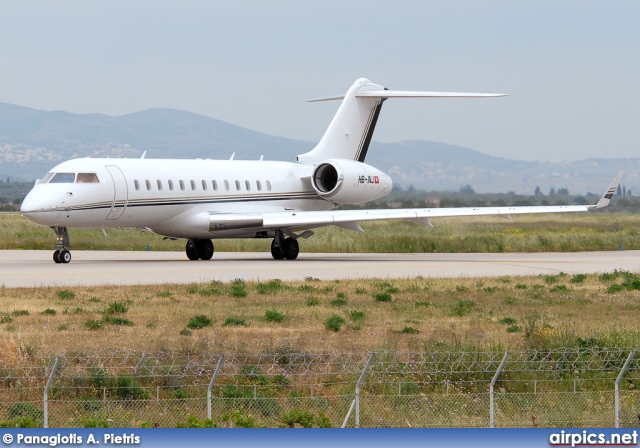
(87, 178)
(46, 178)
(63, 178)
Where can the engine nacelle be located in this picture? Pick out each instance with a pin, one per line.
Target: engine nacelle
(350, 182)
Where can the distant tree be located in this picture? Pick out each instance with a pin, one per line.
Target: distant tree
(552, 192)
(537, 192)
(629, 192)
(467, 189)
(563, 191)
(8, 179)
(411, 189)
(624, 191)
(619, 190)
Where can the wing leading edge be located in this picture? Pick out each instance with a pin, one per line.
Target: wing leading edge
(312, 219)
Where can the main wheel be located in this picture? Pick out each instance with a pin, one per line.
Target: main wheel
(192, 252)
(290, 249)
(204, 248)
(276, 252)
(56, 254)
(64, 256)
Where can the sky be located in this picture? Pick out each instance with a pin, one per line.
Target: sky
(572, 68)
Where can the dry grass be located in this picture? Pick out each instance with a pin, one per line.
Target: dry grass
(523, 233)
(445, 314)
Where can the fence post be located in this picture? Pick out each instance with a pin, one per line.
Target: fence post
(493, 382)
(46, 393)
(213, 380)
(625, 367)
(356, 401)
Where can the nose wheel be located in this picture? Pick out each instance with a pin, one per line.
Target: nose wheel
(62, 254)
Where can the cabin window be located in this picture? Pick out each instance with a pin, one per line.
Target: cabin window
(136, 184)
(193, 185)
(159, 185)
(247, 184)
(238, 185)
(87, 178)
(182, 185)
(226, 185)
(204, 185)
(63, 178)
(214, 184)
(170, 182)
(268, 185)
(47, 177)
(259, 185)
(148, 184)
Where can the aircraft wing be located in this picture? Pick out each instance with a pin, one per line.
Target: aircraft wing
(312, 219)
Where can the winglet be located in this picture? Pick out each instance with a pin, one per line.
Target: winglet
(606, 197)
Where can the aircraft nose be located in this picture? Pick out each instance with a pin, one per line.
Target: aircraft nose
(30, 204)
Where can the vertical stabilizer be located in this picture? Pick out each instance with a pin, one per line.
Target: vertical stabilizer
(349, 134)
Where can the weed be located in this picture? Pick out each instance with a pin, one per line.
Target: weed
(194, 422)
(117, 307)
(508, 300)
(559, 288)
(460, 288)
(66, 294)
(234, 322)
(63, 327)
(186, 332)
(508, 320)
(95, 300)
(410, 330)
(199, 321)
(355, 315)
(273, 287)
(338, 302)
(462, 307)
(311, 279)
(334, 323)
(521, 286)
(382, 297)
(180, 394)
(578, 278)
(614, 288)
(551, 279)
(117, 321)
(20, 313)
(422, 303)
(514, 329)
(93, 324)
(165, 294)
(490, 289)
(192, 289)
(296, 416)
(238, 288)
(6, 319)
(49, 312)
(312, 301)
(361, 291)
(273, 316)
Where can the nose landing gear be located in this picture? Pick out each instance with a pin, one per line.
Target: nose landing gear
(62, 254)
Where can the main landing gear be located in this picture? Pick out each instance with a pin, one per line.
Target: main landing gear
(62, 254)
(199, 249)
(282, 247)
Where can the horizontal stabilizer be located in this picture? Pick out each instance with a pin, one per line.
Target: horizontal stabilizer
(417, 94)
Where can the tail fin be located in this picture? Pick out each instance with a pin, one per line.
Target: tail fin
(349, 134)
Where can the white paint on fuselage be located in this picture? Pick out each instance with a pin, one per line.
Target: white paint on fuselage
(177, 212)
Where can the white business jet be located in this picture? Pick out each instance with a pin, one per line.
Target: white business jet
(201, 200)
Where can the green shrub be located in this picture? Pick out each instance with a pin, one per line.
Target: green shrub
(312, 301)
(578, 278)
(382, 297)
(49, 312)
(199, 321)
(514, 329)
(194, 422)
(117, 307)
(25, 409)
(66, 294)
(238, 288)
(273, 316)
(508, 320)
(94, 423)
(93, 324)
(300, 417)
(117, 321)
(181, 394)
(234, 322)
(127, 388)
(334, 323)
(614, 288)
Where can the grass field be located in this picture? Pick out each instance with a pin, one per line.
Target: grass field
(525, 233)
(411, 314)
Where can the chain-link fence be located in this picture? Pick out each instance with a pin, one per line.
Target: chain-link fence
(591, 387)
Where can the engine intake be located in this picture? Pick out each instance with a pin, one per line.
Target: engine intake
(350, 182)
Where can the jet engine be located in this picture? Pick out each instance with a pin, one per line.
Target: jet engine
(350, 182)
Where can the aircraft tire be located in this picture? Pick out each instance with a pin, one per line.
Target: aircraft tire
(276, 252)
(64, 256)
(290, 249)
(204, 249)
(56, 254)
(192, 251)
